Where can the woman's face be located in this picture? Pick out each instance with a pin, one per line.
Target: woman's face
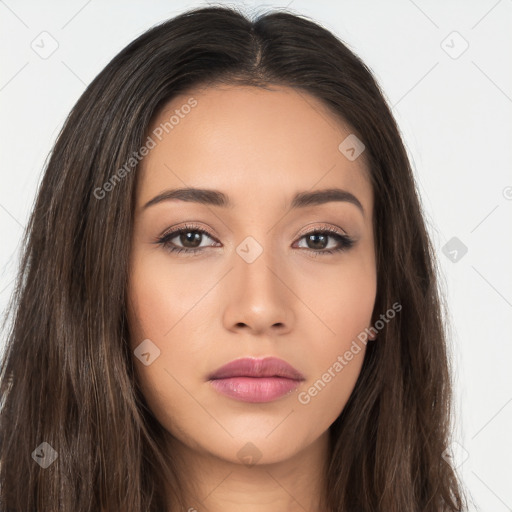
(256, 287)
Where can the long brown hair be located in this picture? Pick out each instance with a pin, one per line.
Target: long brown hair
(67, 374)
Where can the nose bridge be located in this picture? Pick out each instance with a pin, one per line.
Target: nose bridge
(256, 262)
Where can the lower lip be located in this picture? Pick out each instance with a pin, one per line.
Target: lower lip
(255, 389)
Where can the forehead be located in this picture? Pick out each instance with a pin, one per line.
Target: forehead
(251, 143)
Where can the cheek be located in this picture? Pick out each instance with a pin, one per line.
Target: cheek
(337, 346)
(325, 395)
(343, 306)
(164, 308)
(162, 295)
(159, 313)
(341, 299)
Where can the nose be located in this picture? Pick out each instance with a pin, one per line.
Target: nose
(260, 299)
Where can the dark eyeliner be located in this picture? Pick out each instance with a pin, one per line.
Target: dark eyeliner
(345, 242)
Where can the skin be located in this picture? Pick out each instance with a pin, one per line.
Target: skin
(259, 147)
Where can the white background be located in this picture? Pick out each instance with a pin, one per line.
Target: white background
(455, 115)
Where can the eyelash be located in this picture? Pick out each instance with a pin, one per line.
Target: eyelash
(345, 241)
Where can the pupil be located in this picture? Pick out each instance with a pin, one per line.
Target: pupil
(185, 236)
(317, 236)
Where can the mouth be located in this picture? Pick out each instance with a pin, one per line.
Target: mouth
(256, 380)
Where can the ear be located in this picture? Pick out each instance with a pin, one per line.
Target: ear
(372, 336)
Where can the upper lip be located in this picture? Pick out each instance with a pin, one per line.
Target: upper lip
(253, 367)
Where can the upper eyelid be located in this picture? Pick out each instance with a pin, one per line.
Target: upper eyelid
(176, 231)
(330, 229)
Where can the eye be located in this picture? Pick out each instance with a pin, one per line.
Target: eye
(318, 241)
(191, 236)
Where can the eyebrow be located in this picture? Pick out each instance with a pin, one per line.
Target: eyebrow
(218, 198)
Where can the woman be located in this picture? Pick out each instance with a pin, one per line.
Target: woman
(228, 296)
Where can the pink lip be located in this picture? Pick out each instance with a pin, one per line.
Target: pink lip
(256, 380)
